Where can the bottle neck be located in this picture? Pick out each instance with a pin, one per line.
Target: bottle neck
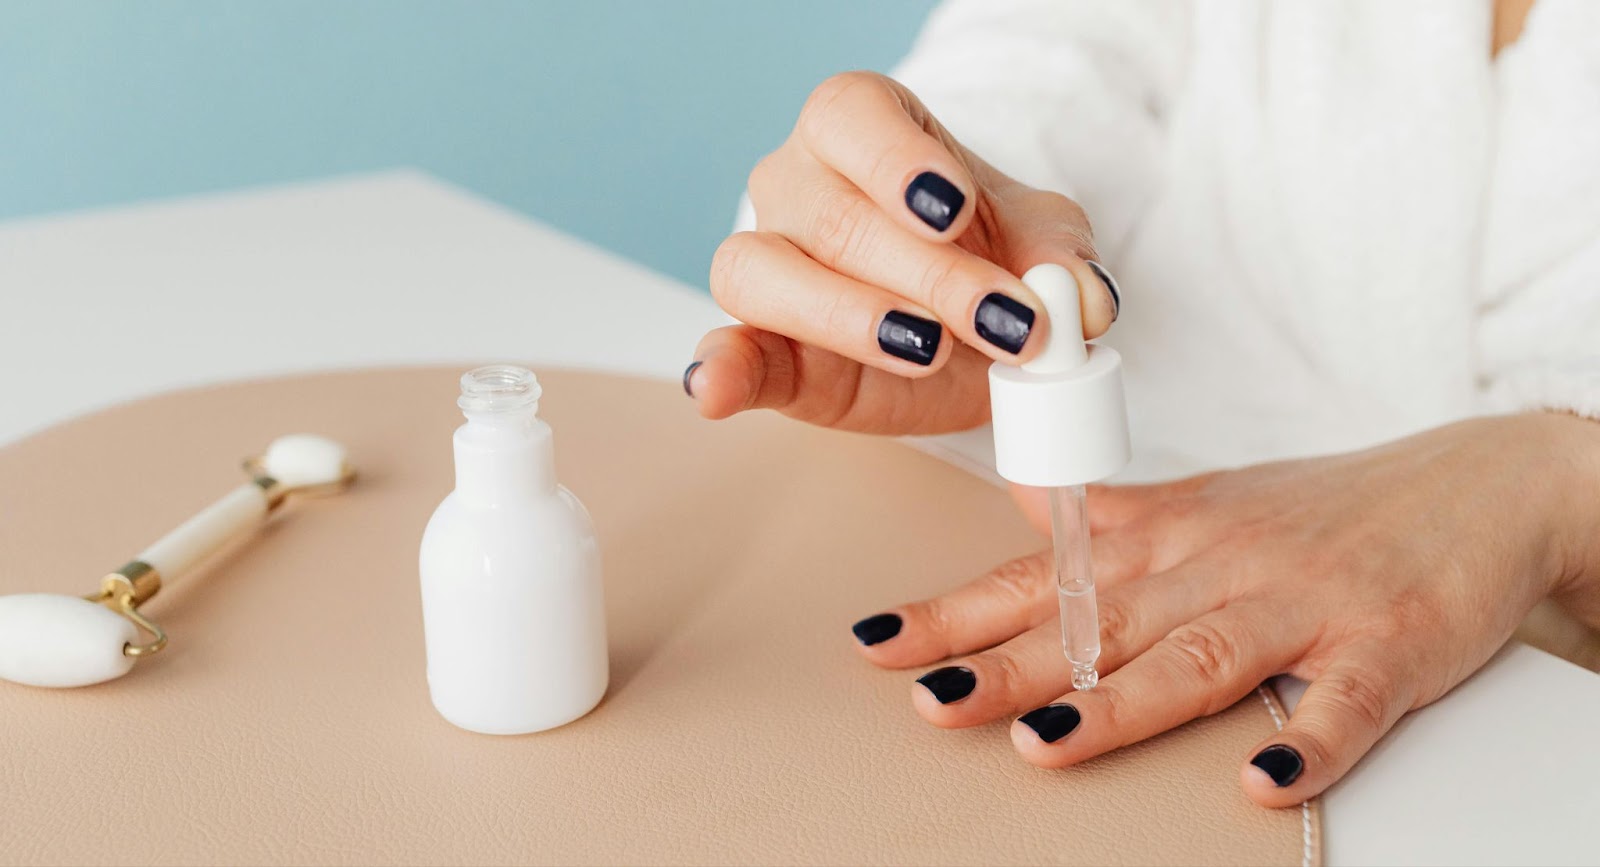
(504, 458)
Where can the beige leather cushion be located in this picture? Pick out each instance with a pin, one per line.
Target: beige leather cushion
(289, 719)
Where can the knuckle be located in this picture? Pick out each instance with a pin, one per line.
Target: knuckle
(941, 284)
(1317, 750)
(1116, 709)
(762, 175)
(1362, 700)
(1072, 220)
(1117, 623)
(1062, 204)
(730, 268)
(841, 227)
(814, 115)
(1009, 674)
(1205, 652)
(886, 167)
(838, 316)
(938, 619)
(1018, 581)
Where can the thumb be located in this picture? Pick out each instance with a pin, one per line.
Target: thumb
(1342, 715)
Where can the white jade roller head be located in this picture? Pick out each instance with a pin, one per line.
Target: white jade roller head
(54, 640)
(50, 639)
(303, 460)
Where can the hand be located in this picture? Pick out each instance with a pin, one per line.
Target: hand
(1383, 577)
(878, 239)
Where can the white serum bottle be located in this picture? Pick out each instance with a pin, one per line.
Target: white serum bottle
(512, 605)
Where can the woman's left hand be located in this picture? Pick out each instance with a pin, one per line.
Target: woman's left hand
(1383, 577)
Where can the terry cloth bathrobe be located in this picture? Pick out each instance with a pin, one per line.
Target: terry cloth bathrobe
(1334, 223)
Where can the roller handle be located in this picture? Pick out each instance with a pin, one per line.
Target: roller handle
(199, 537)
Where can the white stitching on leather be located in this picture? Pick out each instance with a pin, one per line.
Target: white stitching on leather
(1305, 808)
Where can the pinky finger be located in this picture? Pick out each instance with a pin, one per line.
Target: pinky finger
(1341, 716)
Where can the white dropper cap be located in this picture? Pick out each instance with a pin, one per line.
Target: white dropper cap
(1059, 419)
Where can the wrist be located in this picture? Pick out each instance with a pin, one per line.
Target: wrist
(1575, 461)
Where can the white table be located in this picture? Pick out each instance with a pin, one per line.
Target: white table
(397, 268)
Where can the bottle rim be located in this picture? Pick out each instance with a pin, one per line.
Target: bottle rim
(497, 388)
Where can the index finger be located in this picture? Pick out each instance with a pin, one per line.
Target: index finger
(875, 133)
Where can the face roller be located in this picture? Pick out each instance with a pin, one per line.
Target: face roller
(1060, 422)
(54, 640)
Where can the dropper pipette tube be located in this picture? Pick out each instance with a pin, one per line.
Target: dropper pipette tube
(1080, 620)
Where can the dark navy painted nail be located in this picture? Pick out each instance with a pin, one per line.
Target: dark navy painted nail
(910, 337)
(1052, 722)
(934, 200)
(688, 372)
(1281, 763)
(950, 684)
(1003, 321)
(1111, 286)
(877, 629)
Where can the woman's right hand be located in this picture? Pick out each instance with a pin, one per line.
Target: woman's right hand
(881, 277)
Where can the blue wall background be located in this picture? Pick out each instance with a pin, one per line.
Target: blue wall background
(631, 123)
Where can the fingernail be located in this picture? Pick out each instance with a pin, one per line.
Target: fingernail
(935, 200)
(687, 373)
(950, 684)
(1281, 763)
(910, 337)
(1111, 286)
(1003, 321)
(877, 629)
(1052, 722)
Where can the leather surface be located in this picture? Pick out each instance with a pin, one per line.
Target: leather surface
(289, 721)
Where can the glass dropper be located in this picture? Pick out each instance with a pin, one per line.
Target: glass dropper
(1060, 421)
(1080, 621)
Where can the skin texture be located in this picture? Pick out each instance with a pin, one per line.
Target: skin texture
(1382, 577)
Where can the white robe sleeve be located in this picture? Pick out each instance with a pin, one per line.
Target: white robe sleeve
(1067, 95)
(1537, 341)
(1539, 345)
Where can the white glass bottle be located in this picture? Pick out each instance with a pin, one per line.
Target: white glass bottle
(512, 604)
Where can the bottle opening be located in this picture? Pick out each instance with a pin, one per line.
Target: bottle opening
(499, 388)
